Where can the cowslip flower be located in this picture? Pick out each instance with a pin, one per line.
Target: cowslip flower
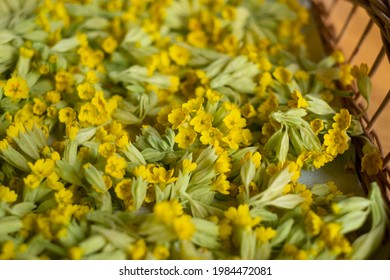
(240, 216)
(185, 137)
(336, 141)
(342, 120)
(372, 163)
(179, 55)
(16, 88)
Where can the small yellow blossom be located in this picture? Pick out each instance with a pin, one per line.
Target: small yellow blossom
(211, 136)
(179, 55)
(161, 175)
(241, 217)
(109, 44)
(166, 211)
(107, 149)
(213, 95)
(7, 195)
(63, 196)
(202, 121)
(85, 91)
(177, 117)
(16, 88)
(336, 141)
(221, 184)
(282, 75)
(66, 115)
(161, 252)
(234, 120)
(138, 250)
(185, 137)
(317, 125)
(197, 39)
(116, 166)
(7, 250)
(342, 120)
(298, 101)
(123, 189)
(188, 166)
(372, 163)
(183, 227)
(313, 223)
(76, 253)
(264, 234)
(39, 106)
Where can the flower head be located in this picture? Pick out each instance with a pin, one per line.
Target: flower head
(336, 141)
(372, 163)
(16, 88)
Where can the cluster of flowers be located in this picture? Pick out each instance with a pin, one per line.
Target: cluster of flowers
(174, 129)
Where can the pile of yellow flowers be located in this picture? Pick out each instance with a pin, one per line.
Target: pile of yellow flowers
(175, 129)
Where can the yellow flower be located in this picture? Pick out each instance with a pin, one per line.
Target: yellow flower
(123, 189)
(313, 223)
(109, 44)
(106, 149)
(372, 163)
(185, 137)
(116, 166)
(293, 252)
(53, 96)
(197, 39)
(248, 111)
(188, 166)
(177, 117)
(179, 55)
(346, 77)
(317, 125)
(338, 56)
(85, 91)
(32, 181)
(63, 196)
(342, 120)
(42, 167)
(161, 252)
(166, 211)
(161, 175)
(39, 106)
(202, 121)
(138, 250)
(183, 227)
(7, 195)
(298, 101)
(221, 184)
(336, 141)
(282, 75)
(234, 121)
(320, 158)
(64, 81)
(334, 240)
(232, 139)
(76, 253)
(241, 217)
(66, 115)
(16, 88)
(213, 95)
(264, 234)
(194, 104)
(211, 136)
(7, 250)
(223, 165)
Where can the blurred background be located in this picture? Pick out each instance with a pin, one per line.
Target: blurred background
(367, 54)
